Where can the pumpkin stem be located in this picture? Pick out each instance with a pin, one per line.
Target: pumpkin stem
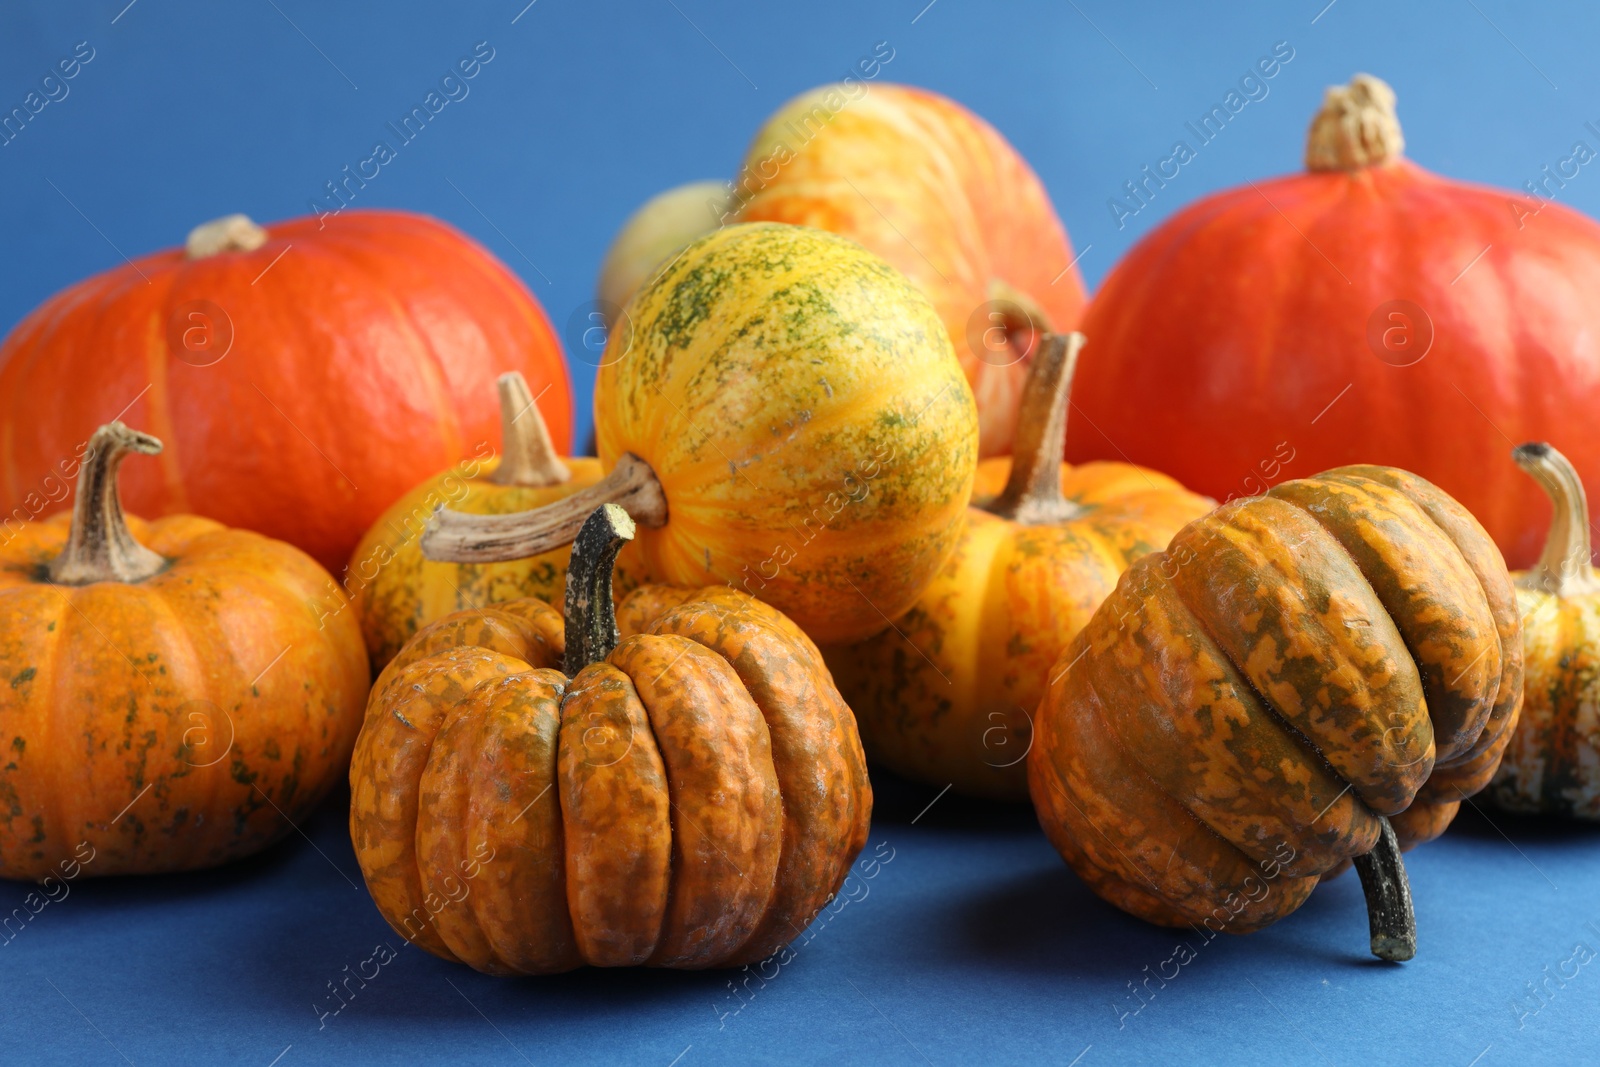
(1563, 568)
(1388, 893)
(1356, 127)
(231, 233)
(99, 547)
(591, 617)
(1032, 495)
(528, 456)
(456, 537)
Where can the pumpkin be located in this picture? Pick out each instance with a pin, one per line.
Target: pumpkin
(1552, 765)
(529, 795)
(303, 376)
(929, 186)
(946, 696)
(178, 693)
(395, 590)
(785, 415)
(1370, 311)
(1302, 679)
(654, 234)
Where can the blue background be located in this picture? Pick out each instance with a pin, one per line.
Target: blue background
(974, 943)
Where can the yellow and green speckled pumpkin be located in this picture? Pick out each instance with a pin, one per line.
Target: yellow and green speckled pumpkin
(947, 696)
(1553, 763)
(781, 412)
(396, 591)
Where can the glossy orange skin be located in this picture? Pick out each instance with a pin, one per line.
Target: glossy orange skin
(361, 363)
(1227, 726)
(175, 723)
(690, 801)
(1235, 324)
(947, 696)
(939, 193)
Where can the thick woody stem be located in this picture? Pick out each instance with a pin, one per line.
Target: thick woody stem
(1563, 568)
(591, 618)
(456, 537)
(1356, 127)
(528, 458)
(231, 233)
(100, 548)
(1032, 494)
(1389, 915)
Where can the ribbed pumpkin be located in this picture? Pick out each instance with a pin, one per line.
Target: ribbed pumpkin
(177, 694)
(784, 416)
(947, 695)
(396, 591)
(1253, 707)
(1369, 311)
(1553, 763)
(690, 797)
(302, 376)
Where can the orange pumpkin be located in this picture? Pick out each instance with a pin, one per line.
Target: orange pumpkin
(395, 590)
(690, 797)
(947, 695)
(1253, 707)
(178, 694)
(1552, 766)
(1366, 310)
(303, 376)
(785, 416)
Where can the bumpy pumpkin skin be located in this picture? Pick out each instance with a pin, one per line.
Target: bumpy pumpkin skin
(948, 695)
(360, 363)
(814, 435)
(174, 723)
(1226, 727)
(690, 801)
(940, 194)
(396, 591)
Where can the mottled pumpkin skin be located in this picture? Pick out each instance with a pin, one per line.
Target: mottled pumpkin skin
(815, 437)
(174, 723)
(396, 591)
(1224, 730)
(940, 194)
(1552, 765)
(947, 696)
(691, 801)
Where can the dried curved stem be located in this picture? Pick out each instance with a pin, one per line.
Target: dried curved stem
(1389, 914)
(591, 617)
(1563, 568)
(456, 537)
(1032, 494)
(100, 548)
(528, 457)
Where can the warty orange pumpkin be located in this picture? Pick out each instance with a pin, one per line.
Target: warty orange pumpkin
(1552, 765)
(689, 797)
(302, 375)
(947, 694)
(1314, 676)
(785, 416)
(395, 590)
(176, 694)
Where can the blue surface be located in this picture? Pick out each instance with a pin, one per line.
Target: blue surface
(974, 943)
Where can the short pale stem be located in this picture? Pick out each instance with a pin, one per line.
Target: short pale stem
(591, 618)
(1356, 127)
(528, 456)
(1392, 921)
(456, 537)
(99, 547)
(231, 233)
(1033, 491)
(1563, 568)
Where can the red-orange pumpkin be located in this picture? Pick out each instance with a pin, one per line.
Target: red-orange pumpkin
(302, 376)
(1365, 312)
